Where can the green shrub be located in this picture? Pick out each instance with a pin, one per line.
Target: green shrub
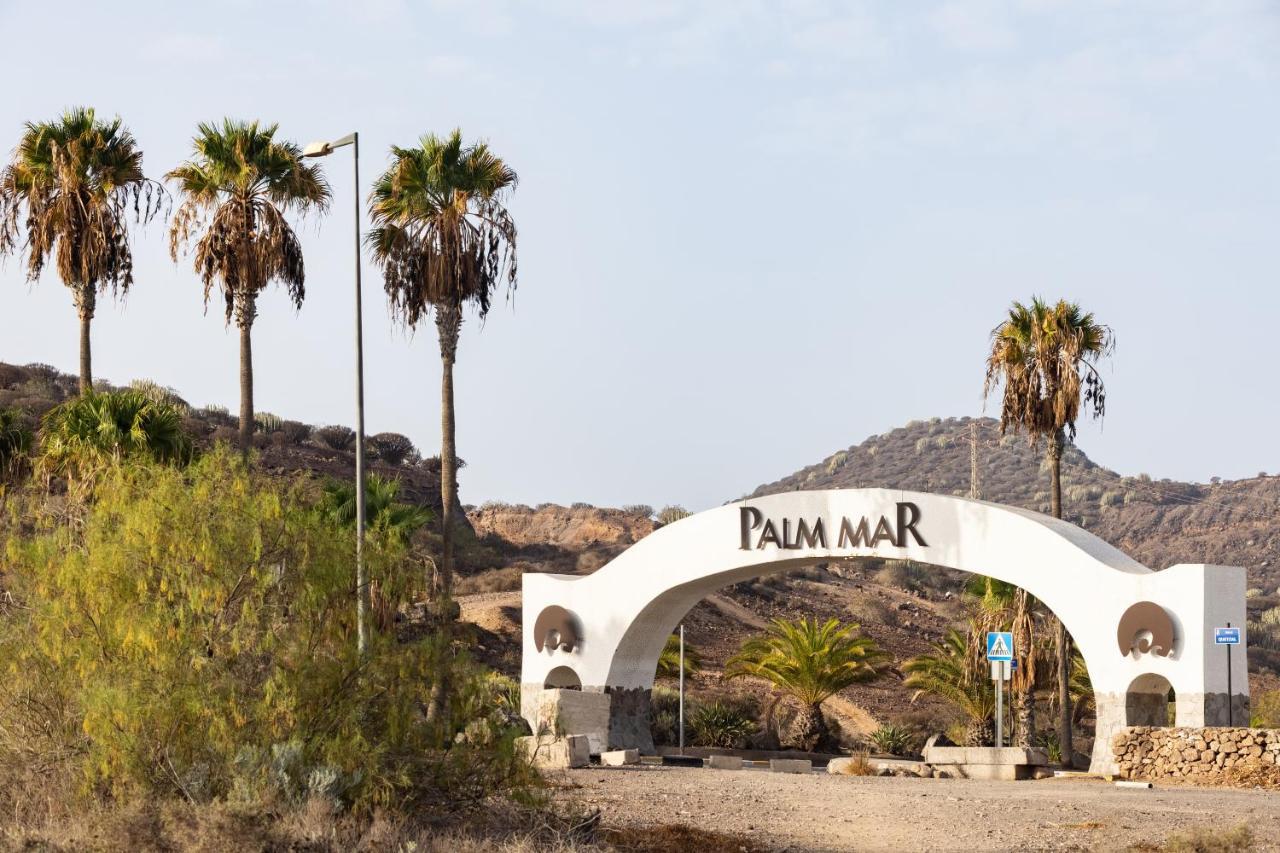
(195, 637)
(15, 443)
(336, 437)
(82, 436)
(1266, 710)
(722, 723)
(394, 448)
(893, 740)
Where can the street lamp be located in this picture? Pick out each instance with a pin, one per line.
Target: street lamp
(324, 149)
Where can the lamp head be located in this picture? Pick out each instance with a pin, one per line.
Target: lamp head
(317, 149)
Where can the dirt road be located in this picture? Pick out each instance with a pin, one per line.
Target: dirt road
(819, 812)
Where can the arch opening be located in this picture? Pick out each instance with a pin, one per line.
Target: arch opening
(1149, 701)
(562, 678)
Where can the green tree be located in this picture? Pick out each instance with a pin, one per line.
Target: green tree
(82, 436)
(1000, 606)
(1044, 359)
(445, 241)
(15, 443)
(67, 195)
(809, 661)
(383, 512)
(236, 191)
(669, 659)
(948, 672)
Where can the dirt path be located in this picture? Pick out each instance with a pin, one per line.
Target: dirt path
(818, 812)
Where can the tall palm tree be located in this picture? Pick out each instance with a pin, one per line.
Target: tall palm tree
(445, 241)
(67, 195)
(948, 672)
(236, 191)
(1044, 357)
(811, 662)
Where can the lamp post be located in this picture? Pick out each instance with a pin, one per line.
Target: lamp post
(324, 149)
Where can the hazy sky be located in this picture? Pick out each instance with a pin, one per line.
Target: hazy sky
(750, 233)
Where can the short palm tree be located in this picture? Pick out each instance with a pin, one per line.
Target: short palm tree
(236, 191)
(1044, 357)
(445, 241)
(948, 673)
(669, 659)
(383, 512)
(15, 443)
(811, 662)
(81, 435)
(1000, 606)
(67, 195)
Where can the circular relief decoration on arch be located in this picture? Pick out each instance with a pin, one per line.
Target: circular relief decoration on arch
(557, 628)
(1145, 617)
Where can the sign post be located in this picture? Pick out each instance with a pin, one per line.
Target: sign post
(1228, 637)
(1000, 653)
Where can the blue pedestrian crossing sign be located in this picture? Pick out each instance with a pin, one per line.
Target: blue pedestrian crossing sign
(1000, 645)
(1224, 636)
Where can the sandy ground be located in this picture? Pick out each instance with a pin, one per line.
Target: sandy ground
(822, 812)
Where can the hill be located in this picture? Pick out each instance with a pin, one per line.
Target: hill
(1158, 522)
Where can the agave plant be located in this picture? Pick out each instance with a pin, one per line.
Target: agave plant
(722, 724)
(83, 434)
(811, 662)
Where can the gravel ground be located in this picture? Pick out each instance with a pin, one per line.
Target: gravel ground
(823, 812)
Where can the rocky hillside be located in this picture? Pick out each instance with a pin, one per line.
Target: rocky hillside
(1159, 522)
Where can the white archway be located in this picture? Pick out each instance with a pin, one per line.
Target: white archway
(625, 611)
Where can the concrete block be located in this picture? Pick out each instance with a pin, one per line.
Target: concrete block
(790, 765)
(620, 757)
(725, 762)
(562, 753)
(577, 712)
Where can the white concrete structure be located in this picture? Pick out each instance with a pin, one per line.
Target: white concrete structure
(622, 614)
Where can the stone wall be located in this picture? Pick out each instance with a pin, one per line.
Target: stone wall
(1147, 752)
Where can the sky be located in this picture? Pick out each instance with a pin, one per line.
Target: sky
(750, 233)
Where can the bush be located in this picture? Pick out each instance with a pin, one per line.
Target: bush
(195, 638)
(642, 510)
(893, 740)
(672, 514)
(722, 723)
(1266, 710)
(394, 448)
(295, 432)
(267, 423)
(336, 437)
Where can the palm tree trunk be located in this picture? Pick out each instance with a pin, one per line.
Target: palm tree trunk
(1026, 700)
(1062, 641)
(809, 729)
(85, 304)
(449, 326)
(246, 384)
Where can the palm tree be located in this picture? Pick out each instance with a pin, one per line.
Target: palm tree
(382, 511)
(669, 659)
(15, 443)
(810, 662)
(81, 435)
(1045, 357)
(236, 191)
(66, 195)
(948, 672)
(1001, 606)
(445, 241)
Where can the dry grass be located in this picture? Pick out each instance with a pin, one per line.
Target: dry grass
(859, 765)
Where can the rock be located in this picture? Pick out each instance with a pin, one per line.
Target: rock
(620, 757)
(562, 753)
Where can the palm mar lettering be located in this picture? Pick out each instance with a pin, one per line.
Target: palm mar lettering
(849, 535)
